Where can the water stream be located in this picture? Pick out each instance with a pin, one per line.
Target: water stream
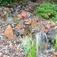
(41, 42)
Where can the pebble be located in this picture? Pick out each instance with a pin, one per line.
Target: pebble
(19, 16)
(14, 48)
(53, 24)
(0, 53)
(27, 22)
(42, 55)
(47, 26)
(16, 33)
(9, 20)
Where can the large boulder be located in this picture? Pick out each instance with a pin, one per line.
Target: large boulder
(51, 34)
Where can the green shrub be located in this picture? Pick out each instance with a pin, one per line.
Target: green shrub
(10, 1)
(47, 11)
(55, 0)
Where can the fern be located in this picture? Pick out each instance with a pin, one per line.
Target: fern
(47, 11)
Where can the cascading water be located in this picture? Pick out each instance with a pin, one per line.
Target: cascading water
(41, 42)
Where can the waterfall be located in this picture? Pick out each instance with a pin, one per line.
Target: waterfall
(41, 38)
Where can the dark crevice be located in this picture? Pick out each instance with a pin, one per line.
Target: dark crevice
(33, 0)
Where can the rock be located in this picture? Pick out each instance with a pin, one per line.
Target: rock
(0, 53)
(19, 26)
(16, 33)
(41, 28)
(23, 14)
(33, 23)
(1, 22)
(53, 24)
(27, 22)
(41, 42)
(19, 16)
(19, 7)
(43, 37)
(42, 55)
(9, 20)
(47, 26)
(30, 7)
(3, 15)
(29, 14)
(5, 56)
(9, 32)
(52, 33)
(54, 56)
(11, 50)
(55, 53)
(21, 31)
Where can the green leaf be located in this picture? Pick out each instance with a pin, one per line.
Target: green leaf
(52, 41)
(56, 38)
(32, 51)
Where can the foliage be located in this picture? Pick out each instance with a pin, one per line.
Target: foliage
(10, 1)
(47, 11)
(55, 42)
(29, 46)
(55, 0)
(32, 51)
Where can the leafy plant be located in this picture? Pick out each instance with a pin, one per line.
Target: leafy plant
(55, 0)
(47, 11)
(5, 2)
(55, 42)
(32, 51)
(9, 1)
(29, 46)
(55, 45)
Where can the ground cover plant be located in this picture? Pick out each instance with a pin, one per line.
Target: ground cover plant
(54, 42)
(10, 1)
(29, 46)
(47, 11)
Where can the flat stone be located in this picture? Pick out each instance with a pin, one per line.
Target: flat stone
(23, 13)
(33, 23)
(9, 32)
(19, 26)
(16, 33)
(47, 26)
(27, 22)
(52, 33)
(54, 56)
(19, 16)
(9, 20)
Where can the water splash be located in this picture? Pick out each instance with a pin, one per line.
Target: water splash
(41, 42)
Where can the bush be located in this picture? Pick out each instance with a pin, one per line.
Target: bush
(47, 11)
(9, 1)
